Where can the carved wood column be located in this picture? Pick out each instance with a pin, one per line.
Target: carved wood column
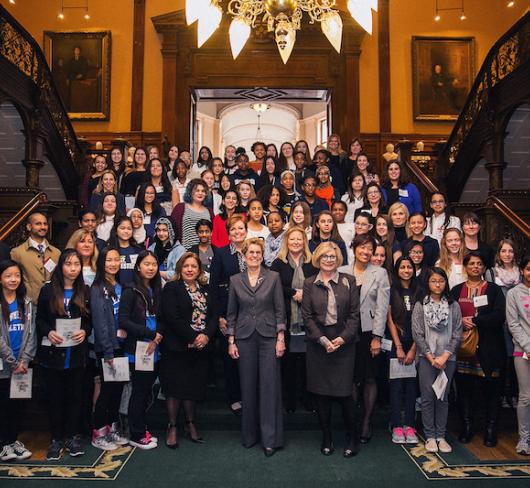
(383, 17)
(137, 86)
(169, 85)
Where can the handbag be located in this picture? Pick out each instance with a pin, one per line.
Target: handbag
(469, 343)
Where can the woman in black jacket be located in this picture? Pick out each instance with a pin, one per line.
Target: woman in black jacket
(105, 296)
(63, 301)
(187, 325)
(483, 313)
(139, 306)
(294, 266)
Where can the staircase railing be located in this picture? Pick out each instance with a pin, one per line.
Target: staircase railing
(15, 223)
(508, 214)
(19, 48)
(506, 55)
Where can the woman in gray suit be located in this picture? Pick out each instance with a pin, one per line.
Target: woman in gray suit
(330, 310)
(256, 328)
(374, 293)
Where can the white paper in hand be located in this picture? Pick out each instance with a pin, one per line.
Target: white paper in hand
(398, 370)
(1, 365)
(143, 361)
(21, 385)
(386, 345)
(119, 371)
(440, 384)
(66, 328)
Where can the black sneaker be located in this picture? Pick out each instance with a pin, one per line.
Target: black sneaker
(73, 446)
(55, 451)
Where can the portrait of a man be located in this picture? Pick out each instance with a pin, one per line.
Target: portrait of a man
(80, 64)
(442, 76)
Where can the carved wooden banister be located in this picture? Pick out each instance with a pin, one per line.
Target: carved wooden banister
(509, 53)
(510, 215)
(18, 48)
(18, 219)
(421, 176)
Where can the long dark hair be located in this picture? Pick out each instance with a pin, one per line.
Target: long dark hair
(403, 176)
(283, 164)
(264, 176)
(237, 209)
(439, 271)
(99, 210)
(200, 162)
(113, 238)
(140, 201)
(20, 292)
(166, 184)
(79, 296)
(447, 212)
(152, 299)
(398, 307)
(101, 276)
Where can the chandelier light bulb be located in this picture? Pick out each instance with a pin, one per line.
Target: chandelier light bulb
(87, 16)
(437, 17)
(332, 28)
(12, 2)
(194, 9)
(61, 15)
(509, 5)
(361, 11)
(239, 33)
(208, 23)
(285, 39)
(463, 16)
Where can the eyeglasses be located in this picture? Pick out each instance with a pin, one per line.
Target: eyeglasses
(362, 224)
(372, 193)
(437, 282)
(416, 252)
(328, 257)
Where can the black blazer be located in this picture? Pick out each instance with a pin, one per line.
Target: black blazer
(175, 317)
(132, 315)
(224, 265)
(490, 322)
(52, 356)
(286, 276)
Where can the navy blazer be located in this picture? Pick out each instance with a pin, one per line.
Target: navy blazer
(224, 265)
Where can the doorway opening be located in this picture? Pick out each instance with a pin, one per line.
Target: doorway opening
(239, 117)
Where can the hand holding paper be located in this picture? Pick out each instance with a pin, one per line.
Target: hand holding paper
(440, 384)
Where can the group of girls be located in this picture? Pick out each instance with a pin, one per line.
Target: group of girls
(116, 263)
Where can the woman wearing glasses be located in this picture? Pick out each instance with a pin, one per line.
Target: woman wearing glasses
(330, 310)
(374, 203)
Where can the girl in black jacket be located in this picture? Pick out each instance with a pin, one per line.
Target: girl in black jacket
(139, 306)
(104, 302)
(64, 298)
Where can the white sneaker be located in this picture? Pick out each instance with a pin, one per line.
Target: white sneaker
(100, 440)
(7, 453)
(431, 445)
(523, 447)
(20, 451)
(144, 443)
(444, 446)
(114, 436)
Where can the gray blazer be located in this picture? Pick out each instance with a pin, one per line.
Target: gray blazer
(29, 342)
(374, 300)
(261, 308)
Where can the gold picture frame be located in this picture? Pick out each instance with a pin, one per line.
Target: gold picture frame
(443, 71)
(80, 63)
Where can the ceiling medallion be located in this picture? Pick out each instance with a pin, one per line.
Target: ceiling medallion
(283, 17)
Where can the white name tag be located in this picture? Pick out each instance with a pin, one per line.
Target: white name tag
(143, 361)
(21, 385)
(49, 265)
(1, 365)
(458, 268)
(119, 371)
(386, 345)
(480, 301)
(403, 193)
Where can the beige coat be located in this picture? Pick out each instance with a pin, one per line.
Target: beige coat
(32, 263)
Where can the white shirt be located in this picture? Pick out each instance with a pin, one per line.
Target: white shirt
(438, 227)
(262, 234)
(347, 232)
(352, 206)
(180, 187)
(35, 244)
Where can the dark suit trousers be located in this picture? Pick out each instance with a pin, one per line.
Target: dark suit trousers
(259, 371)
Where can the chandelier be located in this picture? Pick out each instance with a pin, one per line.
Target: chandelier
(283, 17)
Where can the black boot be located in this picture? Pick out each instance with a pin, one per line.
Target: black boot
(466, 434)
(490, 433)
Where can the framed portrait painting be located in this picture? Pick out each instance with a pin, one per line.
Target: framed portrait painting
(80, 63)
(442, 76)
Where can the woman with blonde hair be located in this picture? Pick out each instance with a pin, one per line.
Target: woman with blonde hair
(452, 256)
(399, 215)
(294, 266)
(84, 242)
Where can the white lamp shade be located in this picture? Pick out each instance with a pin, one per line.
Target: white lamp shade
(208, 23)
(332, 28)
(361, 11)
(239, 33)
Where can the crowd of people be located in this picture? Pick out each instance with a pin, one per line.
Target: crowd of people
(316, 279)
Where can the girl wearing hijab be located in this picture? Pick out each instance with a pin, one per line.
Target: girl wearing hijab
(166, 248)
